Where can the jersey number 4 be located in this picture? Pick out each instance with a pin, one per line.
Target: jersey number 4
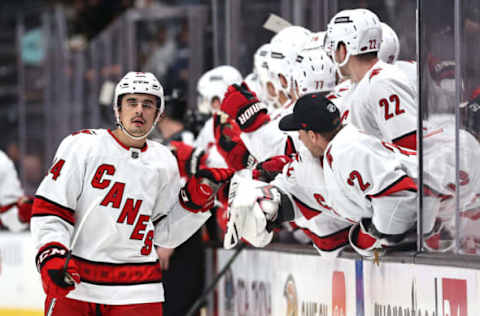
(395, 101)
(57, 167)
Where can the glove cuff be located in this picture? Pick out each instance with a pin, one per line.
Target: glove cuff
(48, 252)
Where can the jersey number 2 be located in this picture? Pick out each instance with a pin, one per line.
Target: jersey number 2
(356, 175)
(386, 105)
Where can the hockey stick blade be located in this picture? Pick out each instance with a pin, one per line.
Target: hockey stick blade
(275, 23)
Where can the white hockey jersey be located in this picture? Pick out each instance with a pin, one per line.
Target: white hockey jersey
(369, 178)
(440, 159)
(134, 196)
(10, 192)
(409, 67)
(268, 140)
(383, 104)
(206, 141)
(303, 181)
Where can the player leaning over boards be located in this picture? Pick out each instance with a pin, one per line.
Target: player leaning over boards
(370, 182)
(382, 101)
(132, 186)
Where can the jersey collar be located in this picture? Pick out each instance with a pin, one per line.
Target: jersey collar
(143, 149)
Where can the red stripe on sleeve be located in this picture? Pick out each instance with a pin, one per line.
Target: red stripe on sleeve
(408, 141)
(307, 211)
(43, 207)
(5, 208)
(289, 146)
(404, 183)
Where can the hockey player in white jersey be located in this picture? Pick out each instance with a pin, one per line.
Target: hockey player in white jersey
(211, 88)
(15, 207)
(314, 71)
(119, 194)
(389, 51)
(382, 100)
(370, 182)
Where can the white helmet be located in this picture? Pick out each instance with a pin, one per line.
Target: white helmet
(314, 72)
(285, 46)
(214, 84)
(358, 29)
(281, 62)
(260, 62)
(315, 41)
(261, 70)
(390, 45)
(294, 35)
(138, 82)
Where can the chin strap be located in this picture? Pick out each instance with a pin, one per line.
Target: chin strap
(338, 65)
(123, 129)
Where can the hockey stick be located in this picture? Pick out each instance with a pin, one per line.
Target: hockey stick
(67, 278)
(275, 23)
(213, 285)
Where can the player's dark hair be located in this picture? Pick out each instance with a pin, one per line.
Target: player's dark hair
(331, 134)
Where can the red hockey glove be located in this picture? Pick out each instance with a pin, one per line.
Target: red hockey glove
(229, 143)
(189, 159)
(366, 240)
(440, 239)
(199, 192)
(24, 205)
(267, 170)
(242, 104)
(50, 261)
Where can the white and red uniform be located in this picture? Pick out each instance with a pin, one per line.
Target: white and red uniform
(369, 178)
(268, 140)
(440, 159)
(206, 141)
(383, 104)
(409, 67)
(135, 198)
(10, 193)
(303, 181)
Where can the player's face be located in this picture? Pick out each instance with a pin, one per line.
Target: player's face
(137, 113)
(271, 89)
(308, 138)
(216, 104)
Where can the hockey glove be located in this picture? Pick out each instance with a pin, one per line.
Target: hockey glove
(229, 144)
(24, 205)
(440, 239)
(267, 170)
(241, 104)
(189, 159)
(199, 192)
(56, 280)
(366, 240)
